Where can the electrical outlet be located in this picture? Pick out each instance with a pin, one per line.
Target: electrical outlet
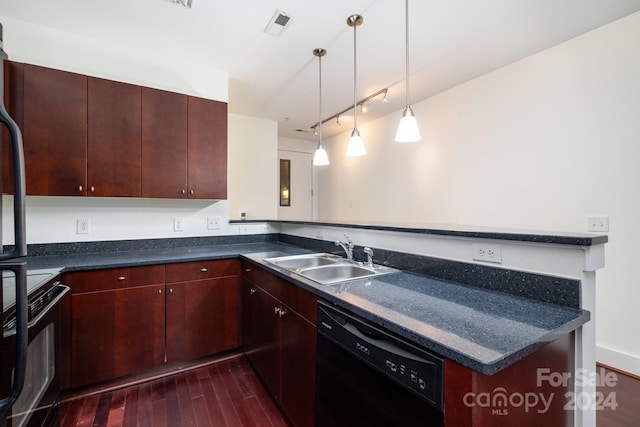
(213, 223)
(598, 223)
(178, 224)
(489, 252)
(82, 226)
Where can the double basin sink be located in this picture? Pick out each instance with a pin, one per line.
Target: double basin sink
(328, 269)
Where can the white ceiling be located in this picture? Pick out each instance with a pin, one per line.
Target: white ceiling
(276, 78)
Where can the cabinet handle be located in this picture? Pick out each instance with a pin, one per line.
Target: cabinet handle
(247, 270)
(92, 189)
(191, 192)
(204, 270)
(184, 191)
(159, 291)
(252, 291)
(121, 278)
(171, 291)
(282, 312)
(80, 188)
(276, 310)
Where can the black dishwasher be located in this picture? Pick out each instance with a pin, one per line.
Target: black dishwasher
(368, 377)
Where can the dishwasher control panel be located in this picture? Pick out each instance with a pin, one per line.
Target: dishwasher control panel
(411, 367)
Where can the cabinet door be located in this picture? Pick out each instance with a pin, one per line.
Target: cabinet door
(207, 142)
(114, 127)
(164, 144)
(261, 335)
(203, 317)
(116, 333)
(298, 346)
(55, 132)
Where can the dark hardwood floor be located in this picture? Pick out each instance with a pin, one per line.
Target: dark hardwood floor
(224, 393)
(626, 396)
(228, 393)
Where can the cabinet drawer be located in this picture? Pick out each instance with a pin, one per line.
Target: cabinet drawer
(196, 270)
(114, 278)
(296, 298)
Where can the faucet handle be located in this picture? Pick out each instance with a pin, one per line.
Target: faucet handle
(369, 253)
(349, 242)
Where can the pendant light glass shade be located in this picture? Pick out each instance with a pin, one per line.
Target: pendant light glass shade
(408, 127)
(356, 146)
(320, 157)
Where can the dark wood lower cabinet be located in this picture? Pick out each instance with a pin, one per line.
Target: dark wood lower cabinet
(127, 320)
(203, 317)
(116, 333)
(281, 343)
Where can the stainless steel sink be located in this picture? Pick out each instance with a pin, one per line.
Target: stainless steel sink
(298, 262)
(327, 269)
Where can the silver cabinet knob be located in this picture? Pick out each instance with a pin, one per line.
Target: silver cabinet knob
(252, 291)
(159, 291)
(80, 188)
(191, 192)
(121, 278)
(282, 312)
(203, 270)
(92, 189)
(170, 291)
(184, 191)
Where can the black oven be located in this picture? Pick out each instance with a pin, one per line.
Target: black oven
(366, 376)
(36, 405)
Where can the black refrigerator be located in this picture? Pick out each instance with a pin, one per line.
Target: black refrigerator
(13, 263)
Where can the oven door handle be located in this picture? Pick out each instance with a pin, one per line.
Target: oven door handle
(44, 312)
(22, 336)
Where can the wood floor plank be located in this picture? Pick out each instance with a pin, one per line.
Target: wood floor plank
(102, 411)
(88, 411)
(213, 404)
(185, 402)
(116, 411)
(224, 399)
(130, 416)
(236, 394)
(70, 412)
(174, 415)
(145, 405)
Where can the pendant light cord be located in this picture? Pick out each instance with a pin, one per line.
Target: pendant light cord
(320, 101)
(355, 109)
(406, 52)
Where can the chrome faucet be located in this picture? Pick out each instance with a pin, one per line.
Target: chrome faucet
(369, 253)
(348, 247)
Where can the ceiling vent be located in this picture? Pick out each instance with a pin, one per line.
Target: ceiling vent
(278, 23)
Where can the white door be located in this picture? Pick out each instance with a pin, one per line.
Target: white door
(300, 188)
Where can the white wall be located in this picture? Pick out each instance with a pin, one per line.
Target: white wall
(34, 44)
(253, 172)
(539, 144)
(53, 219)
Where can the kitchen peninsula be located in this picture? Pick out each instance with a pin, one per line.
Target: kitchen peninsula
(542, 288)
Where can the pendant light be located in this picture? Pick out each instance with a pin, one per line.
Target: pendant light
(320, 157)
(408, 127)
(355, 147)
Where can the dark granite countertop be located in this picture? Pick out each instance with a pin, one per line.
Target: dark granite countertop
(483, 330)
(551, 237)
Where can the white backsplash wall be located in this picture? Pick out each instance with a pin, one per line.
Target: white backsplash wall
(54, 219)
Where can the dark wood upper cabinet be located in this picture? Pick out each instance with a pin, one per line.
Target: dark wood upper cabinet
(90, 136)
(207, 146)
(55, 132)
(114, 132)
(164, 144)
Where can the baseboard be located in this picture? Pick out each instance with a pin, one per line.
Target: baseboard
(618, 360)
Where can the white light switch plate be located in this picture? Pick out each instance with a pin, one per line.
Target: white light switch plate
(598, 223)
